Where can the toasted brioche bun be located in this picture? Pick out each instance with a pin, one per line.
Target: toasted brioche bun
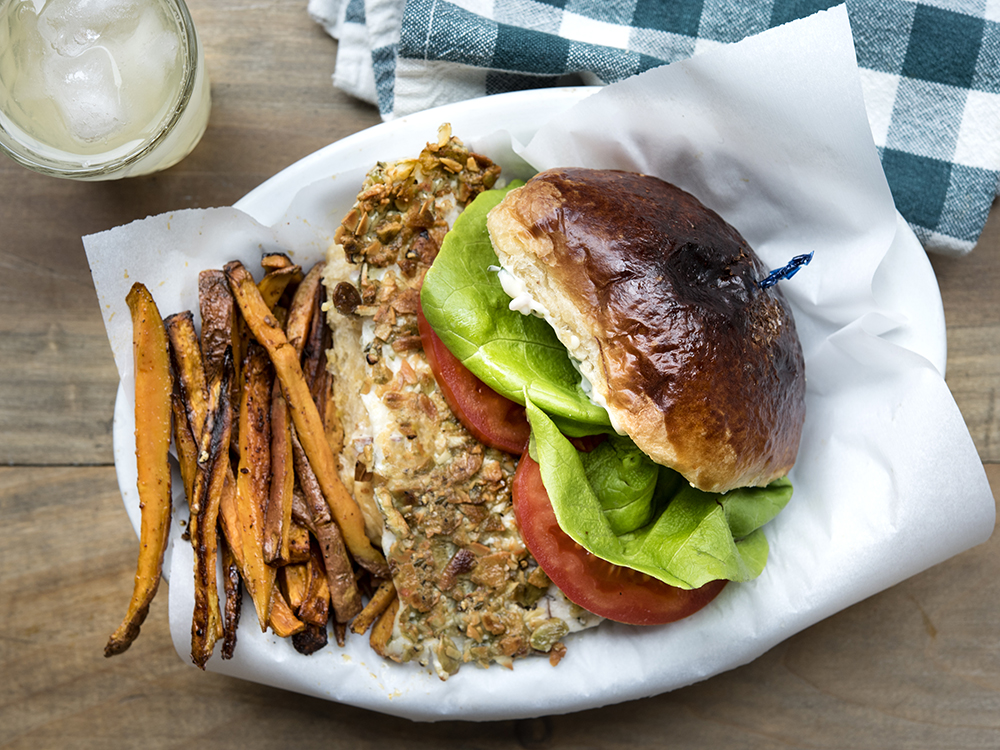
(659, 301)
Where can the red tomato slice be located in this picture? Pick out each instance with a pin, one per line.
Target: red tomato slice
(612, 591)
(494, 420)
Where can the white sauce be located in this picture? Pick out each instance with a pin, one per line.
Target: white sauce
(522, 301)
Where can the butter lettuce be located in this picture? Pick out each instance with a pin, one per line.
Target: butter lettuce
(614, 500)
(674, 532)
(512, 353)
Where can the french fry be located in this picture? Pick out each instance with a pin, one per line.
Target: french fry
(310, 640)
(345, 597)
(234, 599)
(283, 622)
(185, 353)
(275, 281)
(331, 419)
(221, 327)
(305, 416)
(210, 480)
(303, 307)
(187, 448)
(298, 543)
(278, 516)
(340, 633)
(265, 401)
(318, 340)
(218, 319)
(153, 389)
(320, 379)
(295, 578)
(300, 508)
(216, 313)
(273, 261)
(229, 520)
(382, 631)
(314, 609)
(378, 604)
(192, 389)
(253, 476)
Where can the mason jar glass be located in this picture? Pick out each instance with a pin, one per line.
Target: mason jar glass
(100, 89)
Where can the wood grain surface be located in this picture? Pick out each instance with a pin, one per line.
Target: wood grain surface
(917, 666)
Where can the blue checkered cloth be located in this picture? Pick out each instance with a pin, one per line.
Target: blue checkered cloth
(930, 72)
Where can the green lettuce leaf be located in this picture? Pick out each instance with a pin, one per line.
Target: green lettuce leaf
(676, 533)
(512, 353)
(625, 480)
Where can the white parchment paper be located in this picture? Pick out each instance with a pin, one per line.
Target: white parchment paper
(771, 132)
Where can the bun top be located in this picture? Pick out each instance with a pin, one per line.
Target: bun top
(659, 300)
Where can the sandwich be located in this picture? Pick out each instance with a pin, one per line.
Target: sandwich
(563, 401)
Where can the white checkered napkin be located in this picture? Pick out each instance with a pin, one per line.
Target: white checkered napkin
(930, 72)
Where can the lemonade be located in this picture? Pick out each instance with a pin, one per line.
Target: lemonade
(98, 89)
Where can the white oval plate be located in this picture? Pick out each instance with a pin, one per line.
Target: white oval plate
(905, 285)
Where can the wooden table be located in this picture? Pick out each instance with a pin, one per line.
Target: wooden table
(917, 666)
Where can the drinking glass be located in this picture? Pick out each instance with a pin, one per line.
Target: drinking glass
(100, 89)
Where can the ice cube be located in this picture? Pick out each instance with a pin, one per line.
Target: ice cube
(73, 26)
(86, 91)
(152, 53)
(25, 57)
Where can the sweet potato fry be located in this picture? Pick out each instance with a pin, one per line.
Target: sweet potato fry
(331, 419)
(310, 640)
(185, 353)
(278, 516)
(187, 448)
(192, 388)
(218, 319)
(318, 340)
(378, 604)
(253, 475)
(153, 389)
(340, 633)
(345, 597)
(298, 543)
(221, 327)
(314, 609)
(274, 283)
(229, 520)
(306, 418)
(303, 307)
(210, 479)
(382, 630)
(295, 580)
(318, 376)
(283, 622)
(301, 514)
(273, 261)
(234, 600)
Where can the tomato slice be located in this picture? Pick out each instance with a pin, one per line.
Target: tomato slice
(612, 591)
(494, 420)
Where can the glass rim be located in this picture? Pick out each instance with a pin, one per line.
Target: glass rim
(58, 168)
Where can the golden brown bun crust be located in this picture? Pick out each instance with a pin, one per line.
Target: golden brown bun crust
(698, 364)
